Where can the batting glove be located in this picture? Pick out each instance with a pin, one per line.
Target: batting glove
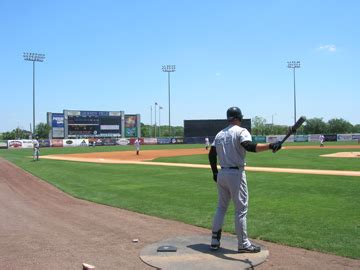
(275, 146)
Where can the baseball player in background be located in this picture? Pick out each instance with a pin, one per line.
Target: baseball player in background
(36, 148)
(321, 139)
(207, 143)
(137, 145)
(230, 146)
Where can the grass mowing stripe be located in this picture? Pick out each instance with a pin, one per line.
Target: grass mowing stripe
(310, 211)
(290, 158)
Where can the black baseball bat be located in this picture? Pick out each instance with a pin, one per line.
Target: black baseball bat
(293, 129)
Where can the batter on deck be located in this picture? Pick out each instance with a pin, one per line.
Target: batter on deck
(230, 146)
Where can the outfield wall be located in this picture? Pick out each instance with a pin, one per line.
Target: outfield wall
(13, 144)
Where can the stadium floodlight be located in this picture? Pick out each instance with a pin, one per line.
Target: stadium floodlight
(34, 57)
(169, 69)
(294, 65)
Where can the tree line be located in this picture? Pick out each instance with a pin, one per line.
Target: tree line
(311, 126)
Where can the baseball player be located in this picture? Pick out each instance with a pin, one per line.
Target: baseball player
(207, 143)
(230, 146)
(36, 148)
(321, 139)
(137, 145)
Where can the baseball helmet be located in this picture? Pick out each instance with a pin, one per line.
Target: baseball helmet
(234, 113)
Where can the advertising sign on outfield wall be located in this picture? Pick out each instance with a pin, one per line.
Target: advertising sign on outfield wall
(301, 138)
(314, 137)
(75, 142)
(356, 137)
(259, 139)
(122, 141)
(44, 143)
(164, 140)
(275, 138)
(330, 137)
(20, 144)
(57, 143)
(3, 144)
(344, 137)
(150, 140)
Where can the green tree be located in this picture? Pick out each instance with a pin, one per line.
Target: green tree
(258, 125)
(339, 125)
(42, 130)
(315, 126)
(356, 128)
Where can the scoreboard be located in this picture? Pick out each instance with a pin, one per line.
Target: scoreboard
(88, 124)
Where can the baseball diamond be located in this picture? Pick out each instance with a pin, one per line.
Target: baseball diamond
(103, 236)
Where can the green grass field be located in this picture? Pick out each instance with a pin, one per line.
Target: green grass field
(310, 211)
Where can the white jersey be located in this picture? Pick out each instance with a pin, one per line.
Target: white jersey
(228, 146)
(207, 141)
(137, 143)
(36, 144)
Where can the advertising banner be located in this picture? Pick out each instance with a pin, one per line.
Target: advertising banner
(20, 144)
(344, 137)
(164, 140)
(57, 143)
(131, 126)
(75, 142)
(301, 138)
(177, 140)
(132, 141)
(57, 120)
(356, 137)
(3, 144)
(275, 138)
(57, 124)
(313, 137)
(109, 141)
(122, 141)
(44, 143)
(259, 139)
(330, 137)
(150, 141)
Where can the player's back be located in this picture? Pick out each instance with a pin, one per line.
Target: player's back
(228, 146)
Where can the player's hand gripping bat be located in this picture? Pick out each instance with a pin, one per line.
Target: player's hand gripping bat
(277, 146)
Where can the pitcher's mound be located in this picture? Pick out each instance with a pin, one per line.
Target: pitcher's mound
(344, 155)
(193, 252)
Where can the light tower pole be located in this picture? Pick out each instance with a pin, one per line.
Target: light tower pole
(155, 119)
(160, 108)
(168, 69)
(294, 65)
(34, 57)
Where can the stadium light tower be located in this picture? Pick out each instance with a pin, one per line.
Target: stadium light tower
(294, 65)
(169, 69)
(160, 108)
(34, 57)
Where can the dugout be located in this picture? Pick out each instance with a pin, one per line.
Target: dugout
(195, 131)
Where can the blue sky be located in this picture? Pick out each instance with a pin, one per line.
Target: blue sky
(107, 55)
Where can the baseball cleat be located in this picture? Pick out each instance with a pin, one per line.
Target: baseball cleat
(251, 249)
(215, 240)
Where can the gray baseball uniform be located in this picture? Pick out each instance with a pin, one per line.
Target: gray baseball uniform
(36, 149)
(231, 180)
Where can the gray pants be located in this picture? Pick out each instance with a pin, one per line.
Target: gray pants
(232, 184)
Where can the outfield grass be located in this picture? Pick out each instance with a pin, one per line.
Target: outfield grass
(286, 158)
(310, 211)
